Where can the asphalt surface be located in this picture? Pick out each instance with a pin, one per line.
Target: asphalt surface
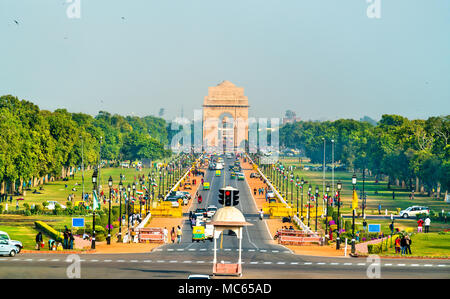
(261, 259)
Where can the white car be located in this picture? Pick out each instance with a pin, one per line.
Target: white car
(5, 236)
(210, 211)
(209, 232)
(6, 248)
(52, 204)
(413, 211)
(219, 166)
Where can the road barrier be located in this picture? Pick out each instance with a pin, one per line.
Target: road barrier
(165, 209)
(297, 237)
(151, 234)
(296, 219)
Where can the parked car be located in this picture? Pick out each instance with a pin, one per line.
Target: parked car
(7, 248)
(52, 204)
(255, 175)
(413, 211)
(210, 211)
(198, 276)
(240, 176)
(5, 236)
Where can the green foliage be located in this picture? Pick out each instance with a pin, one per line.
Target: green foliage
(47, 229)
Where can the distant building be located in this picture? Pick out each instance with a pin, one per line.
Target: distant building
(290, 117)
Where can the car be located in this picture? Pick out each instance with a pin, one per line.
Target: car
(7, 248)
(198, 276)
(210, 211)
(270, 194)
(174, 200)
(201, 211)
(52, 204)
(413, 211)
(255, 175)
(233, 175)
(186, 193)
(219, 166)
(240, 176)
(5, 236)
(209, 232)
(188, 186)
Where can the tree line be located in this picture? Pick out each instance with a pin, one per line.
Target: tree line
(410, 151)
(35, 143)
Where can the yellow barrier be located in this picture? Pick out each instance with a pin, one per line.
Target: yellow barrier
(165, 209)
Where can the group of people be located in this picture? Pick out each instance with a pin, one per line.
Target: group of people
(68, 241)
(261, 191)
(421, 223)
(135, 219)
(175, 234)
(403, 245)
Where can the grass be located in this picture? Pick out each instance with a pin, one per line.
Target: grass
(427, 245)
(377, 193)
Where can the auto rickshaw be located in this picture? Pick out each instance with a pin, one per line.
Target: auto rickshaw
(198, 233)
(206, 186)
(218, 173)
(233, 175)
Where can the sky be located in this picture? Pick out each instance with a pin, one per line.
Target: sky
(323, 59)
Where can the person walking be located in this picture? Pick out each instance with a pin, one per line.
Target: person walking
(408, 244)
(403, 244)
(166, 233)
(427, 224)
(66, 239)
(261, 214)
(173, 235)
(71, 240)
(379, 209)
(38, 241)
(419, 225)
(391, 227)
(179, 234)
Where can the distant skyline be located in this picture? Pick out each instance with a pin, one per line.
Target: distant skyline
(322, 59)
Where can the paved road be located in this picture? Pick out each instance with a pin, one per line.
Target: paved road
(261, 259)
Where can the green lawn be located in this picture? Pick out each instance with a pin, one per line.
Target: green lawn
(428, 245)
(383, 196)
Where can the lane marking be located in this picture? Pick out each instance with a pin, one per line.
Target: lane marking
(400, 265)
(107, 261)
(147, 261)
(294, 263)
(120, 261)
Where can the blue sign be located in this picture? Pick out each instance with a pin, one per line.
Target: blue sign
(374, 228)
(77, 222)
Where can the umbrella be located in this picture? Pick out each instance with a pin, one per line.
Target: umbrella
(20, 198)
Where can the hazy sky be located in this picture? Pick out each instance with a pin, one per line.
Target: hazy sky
(323, 59)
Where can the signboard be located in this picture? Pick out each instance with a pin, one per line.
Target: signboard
(77, 222)
(374, 228)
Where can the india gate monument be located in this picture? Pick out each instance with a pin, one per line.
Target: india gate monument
(225, 116)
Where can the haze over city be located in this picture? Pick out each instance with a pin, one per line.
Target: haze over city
(320, 59)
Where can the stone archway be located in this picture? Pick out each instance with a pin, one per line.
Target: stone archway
(225, 99)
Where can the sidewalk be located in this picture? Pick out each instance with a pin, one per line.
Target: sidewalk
(275, 224)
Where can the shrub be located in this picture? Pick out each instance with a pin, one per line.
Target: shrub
(27, 213)
(1, 209)
(57, 236)
(26, 206)
(348, 225)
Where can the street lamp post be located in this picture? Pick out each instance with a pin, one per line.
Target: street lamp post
(301, 209)
(317, 201)
(353, 214)
(292, 190)
(338, 239)
(128, 209)
(326, 211)
(134, 192)
(110, 182)
(94, 182)
(119, 239)
(309, 203)
(296, 184)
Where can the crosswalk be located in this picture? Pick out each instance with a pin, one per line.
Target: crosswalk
(175, 261)
(223, 249)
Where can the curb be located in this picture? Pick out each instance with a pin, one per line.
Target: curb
(58, 252)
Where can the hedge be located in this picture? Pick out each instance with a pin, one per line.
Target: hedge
(57, 236)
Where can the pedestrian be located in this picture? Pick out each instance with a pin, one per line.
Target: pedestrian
(419, 225)
(165, 232)
(71, 240)
(408, 244)
(364, 224)
(261, 214)
(379, 209)
(427, 224)
(173, 235)
(393, 195)
(50, 244)
(397, 245)
(403, 245)
(391, 227)
(39, 241)
(66, 239)
(179, 234)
